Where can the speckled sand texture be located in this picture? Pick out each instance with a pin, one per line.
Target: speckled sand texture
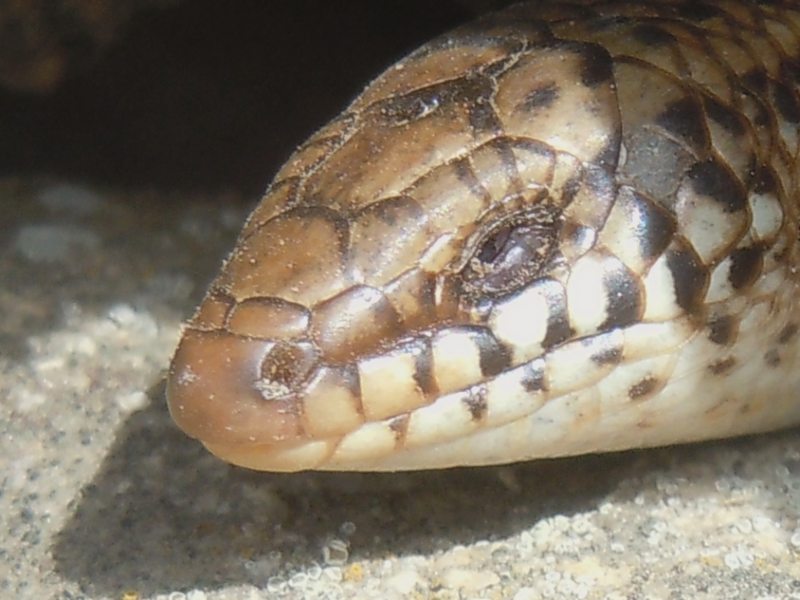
(101, 497)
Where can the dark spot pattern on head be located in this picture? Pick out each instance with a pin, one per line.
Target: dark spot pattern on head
(541, 97)
(608, 157)
(466, 175)
(607, 356)
(721, 367)
(348, 377)
(790, 69)
(570, 189)
(426, 296)
(533, 377)
(713, 179)
(685, 119)
(725, 116)
(722, 329)
(655, 164)
(399, 426)
(788, 333)
(765, 181)
(643, 388)
(652, 35)
(772, 358)
(746, 266)
(763, 116)
(483, 118)
(597, 65)
(624, 302)
(698, 11)
(476, 93)
(558, 326)
(756, 79)
(689, 279)
(476, 402)
(655, 227)
(423, 369)
(494, 357)
(507, 158)
(786, 102)
(412, 106)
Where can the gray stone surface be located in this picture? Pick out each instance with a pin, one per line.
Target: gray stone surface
(101, 497)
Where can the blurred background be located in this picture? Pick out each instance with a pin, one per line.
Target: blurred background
(192, 95)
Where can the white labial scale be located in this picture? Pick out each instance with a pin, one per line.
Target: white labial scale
(506, 396)
(693, 403)
(546, 432)
(387, 383)
(456, 360)
(369, 443)
(307, 455)
(685, 410)
(673, 414)
(597, 419)
(330, 408)
(586, 295)
(659, 285)
(652, 339)
(572, 366)
(448, 417)
(690, 406)
(521, 322)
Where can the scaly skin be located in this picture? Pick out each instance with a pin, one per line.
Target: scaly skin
(565, 228)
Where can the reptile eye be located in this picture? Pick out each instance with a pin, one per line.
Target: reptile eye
(511, 254)
(495, 244)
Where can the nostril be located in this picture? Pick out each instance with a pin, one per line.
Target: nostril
(285, 369)
(213, 392)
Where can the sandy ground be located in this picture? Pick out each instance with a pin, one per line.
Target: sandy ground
(101, 496)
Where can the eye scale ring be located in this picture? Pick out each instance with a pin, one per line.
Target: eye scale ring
(512, 252)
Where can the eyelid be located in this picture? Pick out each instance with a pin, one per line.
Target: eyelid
(539, 227)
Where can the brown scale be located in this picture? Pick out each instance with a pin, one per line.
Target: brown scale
(587, 151)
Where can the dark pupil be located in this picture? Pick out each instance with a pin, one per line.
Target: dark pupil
(494, 245)
(513, 255)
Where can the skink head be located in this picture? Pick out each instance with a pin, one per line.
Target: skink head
(363, 285)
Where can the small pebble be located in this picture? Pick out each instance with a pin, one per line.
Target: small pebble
(132, 402)
(469, 580)
(405, 582)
